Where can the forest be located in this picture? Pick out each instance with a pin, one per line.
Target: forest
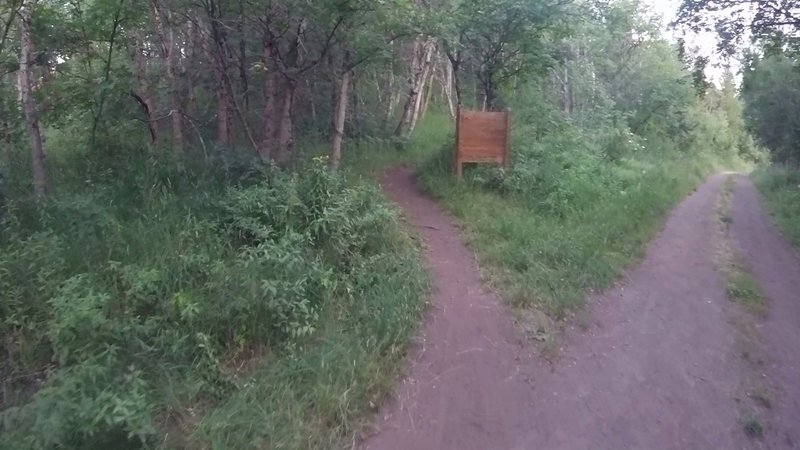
(194, 250)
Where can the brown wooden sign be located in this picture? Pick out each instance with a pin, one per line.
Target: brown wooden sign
(482, 137)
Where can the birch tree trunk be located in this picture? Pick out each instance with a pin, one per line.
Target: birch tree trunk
(447, 87)
(427, 89)
(29, 104)
(420, 60)
(339, 119)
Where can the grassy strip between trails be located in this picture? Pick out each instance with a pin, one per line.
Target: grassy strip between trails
(561, 224)
(780, 187)
(740, 286)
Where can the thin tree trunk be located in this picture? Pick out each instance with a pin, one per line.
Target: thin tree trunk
(420, 57)
(145, 93)
(267, 148)
(286, 128)
(165, 31)
(29, 105)
(243, 57)
(391, 102)
(217, 58)
(447, 88)
(187, 75)
(428, 92)
(311, 103)
(224, 136)
(338, 127)
(424, 95)
(454, 73)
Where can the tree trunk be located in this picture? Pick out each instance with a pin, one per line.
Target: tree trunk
(29, 104)
(427, 88)
(187, 75)
(224, 137)
(243, 57)
(338, 123)
(267, 147)
(218, 59)
(226, 99)
(420, 59)
(391, 102)
(454, 72)
(165, 31)
(420, 97)
(447, 88)
(145, 93)
(286, 128)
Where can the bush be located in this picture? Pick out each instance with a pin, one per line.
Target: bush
(119, 296)
(780, 187)
(575, 207)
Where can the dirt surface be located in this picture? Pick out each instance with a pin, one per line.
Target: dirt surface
(656, 366)
(465, 388)
(776, 267)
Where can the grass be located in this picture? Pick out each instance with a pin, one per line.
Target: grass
(173, 280)
(761, 394)
(780, 188)
(752, 426)
(370, 156)
(319, 395)
(740, 286)
(550, 262)
(743, 288)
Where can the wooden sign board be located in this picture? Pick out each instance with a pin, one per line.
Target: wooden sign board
(482, 137)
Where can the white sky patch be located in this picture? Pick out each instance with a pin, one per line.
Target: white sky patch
(700, 44)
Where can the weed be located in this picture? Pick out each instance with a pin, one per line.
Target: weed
(743, 288)
(740, 286)
(762, 395)
(752, 426)
(128, 302)
(780, 187)
(545, 239)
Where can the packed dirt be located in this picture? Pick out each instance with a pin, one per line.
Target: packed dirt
(656, 365)
(776, 266)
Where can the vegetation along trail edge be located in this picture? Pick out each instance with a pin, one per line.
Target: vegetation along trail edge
(656, 366)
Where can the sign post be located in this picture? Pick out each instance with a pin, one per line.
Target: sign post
(482, 137)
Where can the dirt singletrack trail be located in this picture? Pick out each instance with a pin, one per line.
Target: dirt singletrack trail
(656, 367)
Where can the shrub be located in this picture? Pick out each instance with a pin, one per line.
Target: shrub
(112, 294)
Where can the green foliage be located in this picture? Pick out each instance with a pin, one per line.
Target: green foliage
(771, 92)
(131, 299)
(596, 166)
(549, 231)
(780, 187)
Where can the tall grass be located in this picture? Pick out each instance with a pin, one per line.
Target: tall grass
(780, 187)
(163, 304)
(549, 259)
(369, 156)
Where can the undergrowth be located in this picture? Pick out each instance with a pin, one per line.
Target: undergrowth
(740, 286)
(780, 187)
(171, 306)
(573, 210)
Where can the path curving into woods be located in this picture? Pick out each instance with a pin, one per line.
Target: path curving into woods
(656, 367)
